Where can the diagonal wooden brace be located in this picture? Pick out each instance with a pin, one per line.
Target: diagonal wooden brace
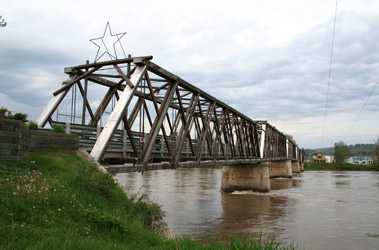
(157, 125)
(114, 119)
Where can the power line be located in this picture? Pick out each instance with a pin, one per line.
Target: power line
(330, 72)
(360, 111)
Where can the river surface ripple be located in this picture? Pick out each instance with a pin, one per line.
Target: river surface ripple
(317, 209)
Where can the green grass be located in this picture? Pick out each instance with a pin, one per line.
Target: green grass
(59, 201)
(335, 167)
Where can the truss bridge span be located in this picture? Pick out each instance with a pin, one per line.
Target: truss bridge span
(134, 113)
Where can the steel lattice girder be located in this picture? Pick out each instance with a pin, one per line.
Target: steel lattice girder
(223, 133)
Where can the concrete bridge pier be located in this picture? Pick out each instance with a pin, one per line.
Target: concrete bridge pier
(280, 169)
(255, 177)
(301, 166)
(295, 167)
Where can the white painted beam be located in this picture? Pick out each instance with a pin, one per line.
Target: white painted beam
(263, 139)
(115, 117)
(53, 104)
(50, 108)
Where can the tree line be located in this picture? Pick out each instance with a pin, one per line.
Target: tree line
(342, 151)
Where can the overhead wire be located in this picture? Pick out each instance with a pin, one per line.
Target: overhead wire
(330, 73)
(360, 111)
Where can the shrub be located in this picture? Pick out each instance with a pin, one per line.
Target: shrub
(59, 129)
(20, 117)
(32, 125)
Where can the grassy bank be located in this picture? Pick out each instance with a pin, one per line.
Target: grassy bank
(335, 167)
(59, 201)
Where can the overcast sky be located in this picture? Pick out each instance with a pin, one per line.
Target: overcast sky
(268, 59)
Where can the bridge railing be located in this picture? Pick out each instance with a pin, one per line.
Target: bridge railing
(120, 142)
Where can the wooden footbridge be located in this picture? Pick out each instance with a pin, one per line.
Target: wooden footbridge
(149, 118)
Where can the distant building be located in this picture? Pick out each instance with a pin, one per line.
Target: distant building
(329, 158)
(364, 160)
(319, 158)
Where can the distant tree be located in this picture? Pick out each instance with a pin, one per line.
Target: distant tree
(341, 151)
(290, 137)
(304, 152)
(376, 152)
(5, 113)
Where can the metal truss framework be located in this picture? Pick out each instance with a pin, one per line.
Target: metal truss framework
(201, 128)
(275, 145)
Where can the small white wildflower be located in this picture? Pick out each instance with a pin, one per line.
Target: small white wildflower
(59, 209)
(14, 193)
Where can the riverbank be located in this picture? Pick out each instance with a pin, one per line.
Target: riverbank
(59, 201)
(344, 167)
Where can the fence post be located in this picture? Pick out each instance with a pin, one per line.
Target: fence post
(67, 128)
(161, 141)
(124, 137)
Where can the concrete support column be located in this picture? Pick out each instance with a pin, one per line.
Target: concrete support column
(280, 169)
(301, 166)
(254, 177)
(295, 167)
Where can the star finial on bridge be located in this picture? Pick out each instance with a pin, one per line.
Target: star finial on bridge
(106, 42)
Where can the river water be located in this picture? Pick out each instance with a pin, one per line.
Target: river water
(317, 209)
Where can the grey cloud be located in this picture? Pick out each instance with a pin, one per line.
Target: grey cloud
(229, 59)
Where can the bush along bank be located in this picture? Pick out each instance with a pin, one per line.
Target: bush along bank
(59, 201)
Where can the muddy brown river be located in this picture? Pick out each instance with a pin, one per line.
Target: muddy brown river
(317, 209)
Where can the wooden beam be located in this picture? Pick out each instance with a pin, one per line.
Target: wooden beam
(126, 79)
(204, 132)
(103, 106)
(158, 111)
(84, 94)
(53, 105)
(137, 60)
(78, 78)
(157, 125)
(114, 119)
(185, 129)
